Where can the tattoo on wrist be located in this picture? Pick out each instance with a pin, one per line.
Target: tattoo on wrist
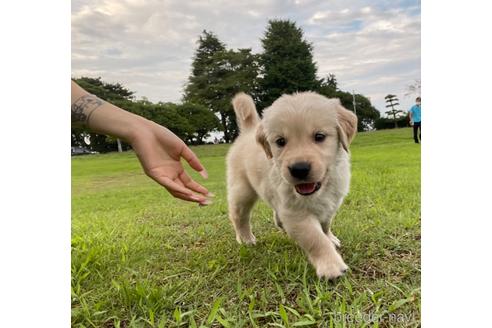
(83, 108)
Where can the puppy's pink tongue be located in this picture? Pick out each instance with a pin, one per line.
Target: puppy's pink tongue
(305, 188)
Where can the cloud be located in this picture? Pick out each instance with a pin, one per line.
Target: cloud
(373, 47)
(381, 56)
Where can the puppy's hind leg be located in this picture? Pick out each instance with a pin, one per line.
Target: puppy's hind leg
(241, 198)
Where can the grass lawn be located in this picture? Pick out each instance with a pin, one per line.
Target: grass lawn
(141, 258)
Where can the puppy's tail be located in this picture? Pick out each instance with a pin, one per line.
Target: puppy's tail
(245, 109)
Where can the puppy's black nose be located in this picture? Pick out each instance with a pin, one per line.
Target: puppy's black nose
(300, 170)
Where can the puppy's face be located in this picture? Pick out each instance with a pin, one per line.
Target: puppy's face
(302, 134)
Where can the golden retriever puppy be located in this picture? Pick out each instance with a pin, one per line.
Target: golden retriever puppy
(296, 159)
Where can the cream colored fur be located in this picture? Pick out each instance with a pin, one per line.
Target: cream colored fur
(258, 168)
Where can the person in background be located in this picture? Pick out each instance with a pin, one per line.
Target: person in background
(415, 120)
(158, 149)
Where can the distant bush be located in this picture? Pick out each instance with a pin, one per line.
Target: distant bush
(387, 123)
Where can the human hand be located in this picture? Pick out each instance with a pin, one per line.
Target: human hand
(159, 151)
(411, 123)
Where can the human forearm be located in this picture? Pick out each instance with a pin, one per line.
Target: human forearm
(158, 149)
(103, 117)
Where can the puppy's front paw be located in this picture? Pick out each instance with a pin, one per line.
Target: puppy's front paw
(330, 267)
(247, 239)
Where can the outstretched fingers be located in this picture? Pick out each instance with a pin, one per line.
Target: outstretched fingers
(179, 191)
(194, 162)
(192, 198)
(191, 184)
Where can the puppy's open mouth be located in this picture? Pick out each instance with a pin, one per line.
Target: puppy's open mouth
(307, 189)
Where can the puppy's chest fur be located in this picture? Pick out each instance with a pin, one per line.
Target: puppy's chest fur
(282, 197)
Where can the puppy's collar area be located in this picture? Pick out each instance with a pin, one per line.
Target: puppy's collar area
(306, 189)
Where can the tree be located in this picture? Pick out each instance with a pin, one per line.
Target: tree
(110, 92)
(238, 72)
(331, 81)
(367, 114)
(165, 114)
(201, 120)
(328, 86)
(201, 87)
(392, 101)
(208, 45)
(190, 122)
(287, 62)
(217, 75)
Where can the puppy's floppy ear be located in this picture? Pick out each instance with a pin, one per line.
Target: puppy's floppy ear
(347, 126)
(262, 140)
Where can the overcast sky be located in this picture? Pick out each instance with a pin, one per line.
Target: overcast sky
(373, 47)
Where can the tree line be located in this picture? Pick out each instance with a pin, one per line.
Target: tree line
(286, 65)
(189, 121)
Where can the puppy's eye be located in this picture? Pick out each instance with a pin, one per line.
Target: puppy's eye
(319, 137)
(280, 142)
